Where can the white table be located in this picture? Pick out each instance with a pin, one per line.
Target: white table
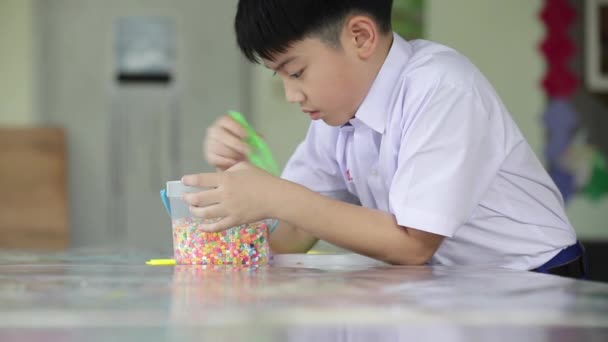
(100, 295)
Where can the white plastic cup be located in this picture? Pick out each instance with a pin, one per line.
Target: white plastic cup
(242, 245)
(175, 190)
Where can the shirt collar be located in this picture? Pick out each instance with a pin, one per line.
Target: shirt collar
(374, 109)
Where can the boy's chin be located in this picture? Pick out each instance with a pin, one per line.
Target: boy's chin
(335, 121)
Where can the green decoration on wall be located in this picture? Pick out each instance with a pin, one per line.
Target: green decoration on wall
(407, 18)
(597, 187)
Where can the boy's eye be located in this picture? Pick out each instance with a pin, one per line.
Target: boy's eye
(297, 74)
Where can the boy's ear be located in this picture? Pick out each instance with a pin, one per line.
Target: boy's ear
(362, 35)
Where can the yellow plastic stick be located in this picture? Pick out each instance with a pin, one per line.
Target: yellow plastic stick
(160, 262)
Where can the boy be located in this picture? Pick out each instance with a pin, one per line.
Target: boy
(410, 158)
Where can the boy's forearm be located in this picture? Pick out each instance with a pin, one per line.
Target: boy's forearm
(366, 231)
(287, 238)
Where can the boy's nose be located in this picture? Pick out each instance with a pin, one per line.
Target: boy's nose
(293, 95)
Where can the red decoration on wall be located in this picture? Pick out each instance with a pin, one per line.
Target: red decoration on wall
(558, 48)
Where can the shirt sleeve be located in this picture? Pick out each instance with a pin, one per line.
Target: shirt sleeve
(314, 164)
(449, 156)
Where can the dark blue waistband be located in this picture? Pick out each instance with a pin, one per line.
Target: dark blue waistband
(565, 256)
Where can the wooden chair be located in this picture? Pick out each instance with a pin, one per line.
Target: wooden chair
(33, 191)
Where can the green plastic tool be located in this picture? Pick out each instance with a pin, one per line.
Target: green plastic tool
(260, 155)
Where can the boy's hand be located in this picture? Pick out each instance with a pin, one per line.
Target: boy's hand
(223, 145)
(243, 194)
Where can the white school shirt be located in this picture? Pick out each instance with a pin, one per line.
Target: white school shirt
(433, 145)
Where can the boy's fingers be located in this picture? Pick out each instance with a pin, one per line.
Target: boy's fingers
(227, 139)
(222, 162)
(227, 123)
(216, 148)
(203, 199)
(208, 213)
(202, 180)
(222, 156)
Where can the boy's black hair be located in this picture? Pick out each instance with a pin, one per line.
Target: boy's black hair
(267, 27)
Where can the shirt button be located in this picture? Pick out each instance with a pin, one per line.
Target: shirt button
(374, 172)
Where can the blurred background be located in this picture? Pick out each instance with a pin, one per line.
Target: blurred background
(102, 102)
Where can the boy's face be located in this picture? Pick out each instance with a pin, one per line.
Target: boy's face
(328, 83)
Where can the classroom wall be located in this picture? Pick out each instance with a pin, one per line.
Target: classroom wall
(17, 64)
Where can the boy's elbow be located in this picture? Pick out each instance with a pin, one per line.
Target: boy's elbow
(408, 259)
(418, 249)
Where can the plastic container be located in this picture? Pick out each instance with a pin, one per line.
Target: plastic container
(245, 245)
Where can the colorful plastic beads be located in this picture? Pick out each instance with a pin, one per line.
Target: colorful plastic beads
(241, 245)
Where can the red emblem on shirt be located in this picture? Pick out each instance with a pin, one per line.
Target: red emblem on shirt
(348, 176)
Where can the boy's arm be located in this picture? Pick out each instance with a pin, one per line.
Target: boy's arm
(286, 238)
(365, 231)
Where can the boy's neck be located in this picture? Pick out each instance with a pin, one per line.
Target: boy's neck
(384, 47)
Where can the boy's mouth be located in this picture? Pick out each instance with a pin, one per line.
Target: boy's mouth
(314, 114)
